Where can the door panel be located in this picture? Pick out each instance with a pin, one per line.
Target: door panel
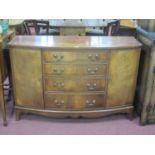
(27, 77)
(122, 77)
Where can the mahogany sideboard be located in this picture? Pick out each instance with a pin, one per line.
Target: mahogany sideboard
(74, 76)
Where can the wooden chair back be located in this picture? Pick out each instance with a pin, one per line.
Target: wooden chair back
(112, 28)
(30, 27)
(42, 25)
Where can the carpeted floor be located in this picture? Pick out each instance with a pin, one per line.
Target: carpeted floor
(35, 125)
(111, 125)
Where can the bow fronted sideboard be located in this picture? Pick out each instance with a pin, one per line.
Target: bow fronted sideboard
(74, 76)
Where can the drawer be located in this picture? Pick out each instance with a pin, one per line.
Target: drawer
(74, 102)
(59, 84)
(55, 57)
(74, 69)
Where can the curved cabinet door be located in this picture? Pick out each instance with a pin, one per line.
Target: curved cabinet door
(123, 69)
(27, 77)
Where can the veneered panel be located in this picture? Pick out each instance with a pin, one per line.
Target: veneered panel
(122, 77)
(75, 70)
(90, 56)
(27, 76)
(60, 84)
(74, 102)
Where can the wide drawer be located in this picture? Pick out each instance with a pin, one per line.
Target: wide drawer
(59, 84)
(85, 56)
(74, 69)
(74, 102)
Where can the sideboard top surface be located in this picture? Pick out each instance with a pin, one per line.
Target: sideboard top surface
(74, 42)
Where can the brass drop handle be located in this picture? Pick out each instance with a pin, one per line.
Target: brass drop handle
(58, 71)
(58, 57)
(91, 102)
(90, 56)
(91, 86)
(92, 71)
(59, 102)
(59, 84)
(97, 56)
(93, 57)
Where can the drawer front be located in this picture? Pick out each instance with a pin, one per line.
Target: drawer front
(73, 69)
(55, 57)
(59, 84)
(74, 102)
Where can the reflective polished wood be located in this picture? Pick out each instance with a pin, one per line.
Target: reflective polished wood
(72, 76)
(76, 42)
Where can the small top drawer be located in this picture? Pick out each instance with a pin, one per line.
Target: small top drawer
(74, 69)
(86, 56)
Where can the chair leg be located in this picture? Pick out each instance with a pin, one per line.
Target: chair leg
(2, 102)
(9, 95)
(10, 86)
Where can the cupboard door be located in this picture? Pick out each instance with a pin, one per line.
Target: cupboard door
(123, 68)
(27, 77)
